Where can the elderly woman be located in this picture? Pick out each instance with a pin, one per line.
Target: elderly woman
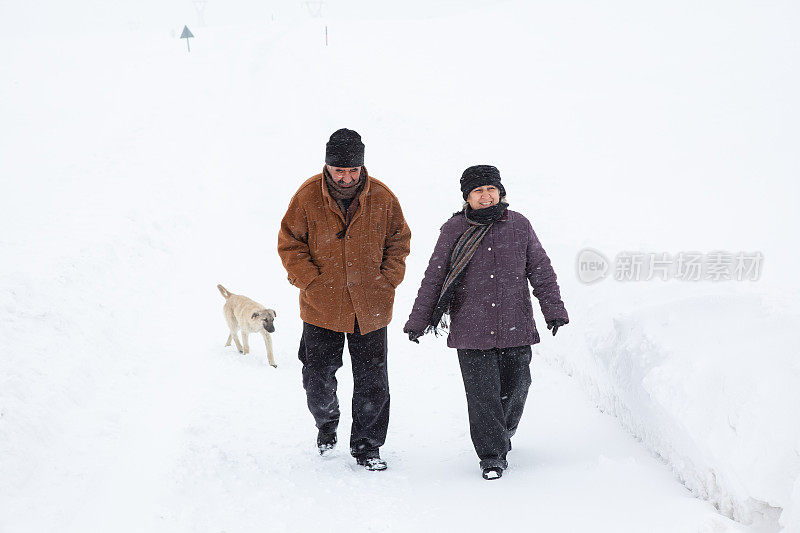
(478, 274)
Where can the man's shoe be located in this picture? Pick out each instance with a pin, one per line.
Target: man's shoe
(371, 463)
(492, 472)
(326, 442)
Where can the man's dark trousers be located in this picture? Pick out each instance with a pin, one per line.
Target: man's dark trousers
(321, 354)
(496, 382)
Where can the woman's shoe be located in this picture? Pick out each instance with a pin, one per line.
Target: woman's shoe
(374, 462)
(492, 472)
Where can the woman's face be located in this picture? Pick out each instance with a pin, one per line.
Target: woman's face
(482, 197)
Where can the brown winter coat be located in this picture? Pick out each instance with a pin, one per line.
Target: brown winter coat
(341, 280)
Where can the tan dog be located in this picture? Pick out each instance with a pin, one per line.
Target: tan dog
(242, 313)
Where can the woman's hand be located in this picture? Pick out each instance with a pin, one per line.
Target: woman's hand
(413, 336)
(555, 324)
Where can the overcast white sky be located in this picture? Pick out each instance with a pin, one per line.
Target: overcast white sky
(21, 18)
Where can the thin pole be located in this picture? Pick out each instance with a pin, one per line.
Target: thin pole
(188, 48)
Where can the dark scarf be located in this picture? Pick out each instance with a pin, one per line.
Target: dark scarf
(345, 197)
(480, 222)
(487, 215)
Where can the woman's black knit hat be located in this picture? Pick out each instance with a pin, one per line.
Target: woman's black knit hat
(478, 176)
(344, 149)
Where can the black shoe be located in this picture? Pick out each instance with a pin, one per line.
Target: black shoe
(326, 442)
(371, 462)
(492, 472)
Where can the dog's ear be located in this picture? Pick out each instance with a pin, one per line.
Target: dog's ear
(272, 311)
(254, 316)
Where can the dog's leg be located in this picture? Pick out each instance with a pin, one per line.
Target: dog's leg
(233, 326)
(268, 342)
(245, 342)
(236, 340)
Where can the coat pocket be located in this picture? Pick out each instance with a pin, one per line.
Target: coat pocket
(315, 283)
(377, 241)
(321, 241)
(520, 245)
(383, 295)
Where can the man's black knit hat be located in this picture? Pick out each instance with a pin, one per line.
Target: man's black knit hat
(344, 149)
(478, 176)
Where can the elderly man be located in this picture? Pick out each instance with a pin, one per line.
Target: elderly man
(343, 242)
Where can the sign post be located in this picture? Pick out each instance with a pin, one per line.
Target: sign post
(187, 35)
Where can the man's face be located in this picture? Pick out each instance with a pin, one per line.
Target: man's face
(345, 177)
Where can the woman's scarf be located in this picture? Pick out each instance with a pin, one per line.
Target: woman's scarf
(480, 222)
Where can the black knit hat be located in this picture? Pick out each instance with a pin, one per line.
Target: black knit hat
(479, 175)
(344, 149)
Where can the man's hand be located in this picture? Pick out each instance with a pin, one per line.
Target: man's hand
(413, 336)
(555, 324)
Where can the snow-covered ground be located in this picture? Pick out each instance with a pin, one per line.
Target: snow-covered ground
(136, 176)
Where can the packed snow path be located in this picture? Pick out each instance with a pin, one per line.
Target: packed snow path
(194, 436)
(144, 175)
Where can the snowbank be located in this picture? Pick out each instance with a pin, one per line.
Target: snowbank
(708, 382)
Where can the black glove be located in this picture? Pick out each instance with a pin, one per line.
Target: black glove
(413, 336)
(555, 324)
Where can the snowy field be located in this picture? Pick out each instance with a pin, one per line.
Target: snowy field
(135, 176)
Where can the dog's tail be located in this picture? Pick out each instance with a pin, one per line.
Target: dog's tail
(224, 291)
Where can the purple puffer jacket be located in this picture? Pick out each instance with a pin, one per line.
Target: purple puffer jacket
(491, 307)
